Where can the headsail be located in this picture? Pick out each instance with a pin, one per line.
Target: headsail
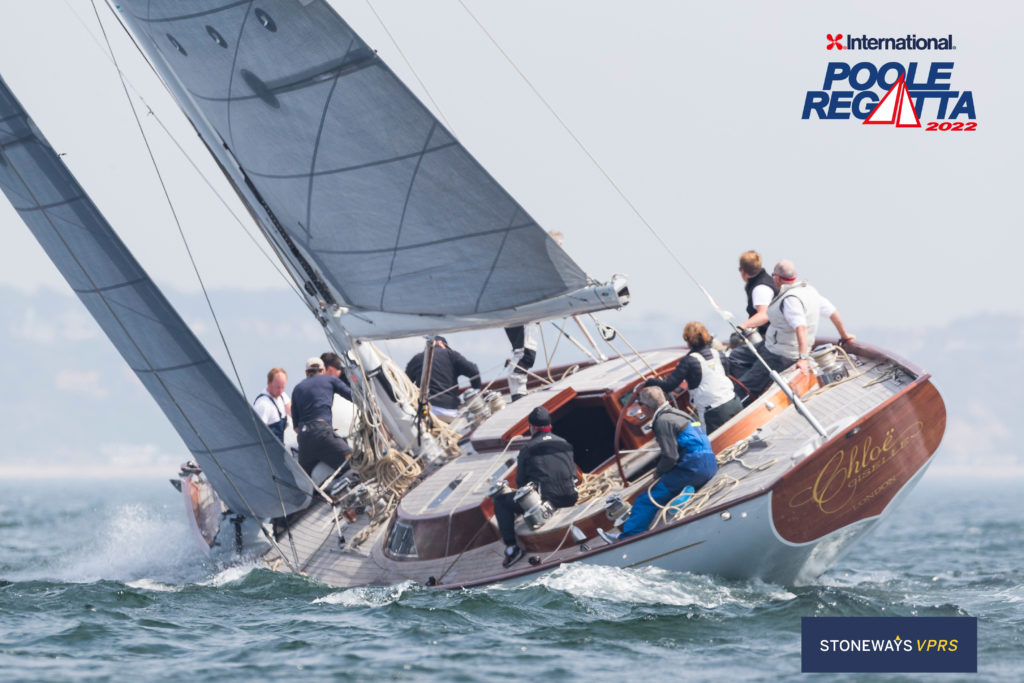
(246, 464)
(380, 200)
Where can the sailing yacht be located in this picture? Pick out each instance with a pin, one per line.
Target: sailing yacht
(389, 227)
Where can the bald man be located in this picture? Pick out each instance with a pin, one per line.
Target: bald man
(793, 317)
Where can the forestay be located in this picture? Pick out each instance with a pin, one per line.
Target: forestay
(246, 464)
(379, 198)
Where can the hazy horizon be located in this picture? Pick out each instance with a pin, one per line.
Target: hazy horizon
(694, 110)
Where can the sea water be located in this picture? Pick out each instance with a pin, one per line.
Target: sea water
(101, 581)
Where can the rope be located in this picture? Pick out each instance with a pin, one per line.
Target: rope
(593, 160)
(407, 396)
(409, 64)
(275, 263)
(596, 485)
(206, 295)
(625, 341)
(724, 483)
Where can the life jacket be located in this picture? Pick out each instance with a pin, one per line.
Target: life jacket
(276, 427)
(781, 338)
(762, 278)
(714, 388)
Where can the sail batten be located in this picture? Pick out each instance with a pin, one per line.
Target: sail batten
(235, 449)
(326, 144)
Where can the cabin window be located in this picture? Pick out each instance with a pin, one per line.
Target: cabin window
(400, 541)
(584, 422)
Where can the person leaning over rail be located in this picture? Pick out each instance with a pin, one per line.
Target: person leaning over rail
(445, 368)
(705, 371)
(312, 399)
(547, 461)
(686, 459)
(273, 405)
(760, 288)
(793, 318)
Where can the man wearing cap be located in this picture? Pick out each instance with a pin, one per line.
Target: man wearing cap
(547, 461)
(311, 412)
(445, 368)
(793, 317)
(686, 460)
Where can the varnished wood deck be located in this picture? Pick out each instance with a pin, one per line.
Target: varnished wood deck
(785, 441)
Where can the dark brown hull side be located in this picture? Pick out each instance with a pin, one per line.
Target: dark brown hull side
(857, 473)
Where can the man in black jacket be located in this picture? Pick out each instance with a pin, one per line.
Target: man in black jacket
(547, 461)
(445, 369)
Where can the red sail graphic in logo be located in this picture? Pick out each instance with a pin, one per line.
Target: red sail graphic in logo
(895, 108)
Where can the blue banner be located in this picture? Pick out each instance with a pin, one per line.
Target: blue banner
(889, 644)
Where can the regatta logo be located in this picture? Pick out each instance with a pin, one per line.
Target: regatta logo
(911, 41)
(889, 644)
(894, 93)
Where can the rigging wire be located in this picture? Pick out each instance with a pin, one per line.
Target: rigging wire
(725, 315)
(405, 59)
(199, 277)
(597, 165)
(216, 193)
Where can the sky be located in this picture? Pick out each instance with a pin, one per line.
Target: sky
(691, 110)
(690, 116)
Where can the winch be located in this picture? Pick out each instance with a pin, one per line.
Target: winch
(830, 369)
(474, 408)
(616, 509)
(536, 510)
(495, 401)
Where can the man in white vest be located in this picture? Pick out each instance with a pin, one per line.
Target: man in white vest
(793, 317)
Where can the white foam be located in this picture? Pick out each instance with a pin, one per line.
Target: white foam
(849, 579)
(231, 574)
(151, 585)
(655, 586)
(131, 543)
(375, 596)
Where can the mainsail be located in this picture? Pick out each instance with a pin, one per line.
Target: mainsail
(351, 176)
(246, 464)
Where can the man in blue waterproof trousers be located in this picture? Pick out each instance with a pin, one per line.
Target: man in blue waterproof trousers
(686, 459)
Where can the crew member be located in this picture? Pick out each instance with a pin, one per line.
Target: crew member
(547, 461)
(445, 369)
(523, 339)
(312, 399)
(793, 317)
(761, 289)
(273, 405)
(686, 460)
(705, 371)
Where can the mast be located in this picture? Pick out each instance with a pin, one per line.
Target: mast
(247, 465)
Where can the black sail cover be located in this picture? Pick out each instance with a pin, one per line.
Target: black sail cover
(388, 207)
(247, 466)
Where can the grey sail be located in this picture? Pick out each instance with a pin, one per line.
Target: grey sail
(246, 464)
(360, 178)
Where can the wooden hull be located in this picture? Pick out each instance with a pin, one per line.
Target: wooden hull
(786, 511)
(856, 474)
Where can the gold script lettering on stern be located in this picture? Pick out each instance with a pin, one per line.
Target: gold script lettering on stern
(835, 487)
